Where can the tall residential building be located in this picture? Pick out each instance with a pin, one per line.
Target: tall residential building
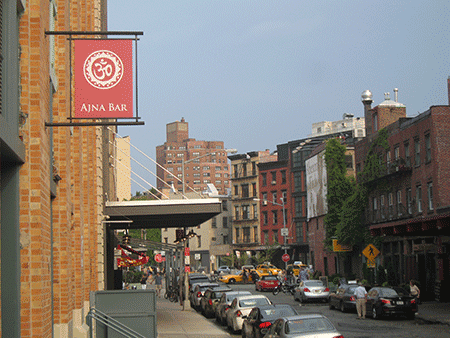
(201, 162)
(244, 191)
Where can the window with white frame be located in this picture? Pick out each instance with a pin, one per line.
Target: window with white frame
(399, 202)
(427, 148)
(419, 198)
(180, 155)
(409, 200)
(274, 217)
(430, 195)
(196, 181)
(416, 152)
(391, 199)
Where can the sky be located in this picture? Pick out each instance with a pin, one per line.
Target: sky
(256, 74)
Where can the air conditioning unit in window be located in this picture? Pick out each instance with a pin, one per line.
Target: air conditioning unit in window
(274, 182)
(264, 203)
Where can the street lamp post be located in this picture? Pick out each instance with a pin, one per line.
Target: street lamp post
(285, 231)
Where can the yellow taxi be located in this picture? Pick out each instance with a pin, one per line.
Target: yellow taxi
(269, 269)
(296, 268)
(239, 278)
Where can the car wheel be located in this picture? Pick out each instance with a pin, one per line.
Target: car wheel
(342, 307)
(411, 316)
(232, 281)
(331, 306)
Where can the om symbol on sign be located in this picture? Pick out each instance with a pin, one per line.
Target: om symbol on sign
(103, 69)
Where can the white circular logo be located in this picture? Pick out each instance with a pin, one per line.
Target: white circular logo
(103, 69)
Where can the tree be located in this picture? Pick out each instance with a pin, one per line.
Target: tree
(339, 186)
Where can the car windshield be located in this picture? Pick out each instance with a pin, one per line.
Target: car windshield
(269, 278)
(351, 290)
(232, 296)
(277, 312)
(251, 302)
(308, 325)
(314, 283)
(401, 291)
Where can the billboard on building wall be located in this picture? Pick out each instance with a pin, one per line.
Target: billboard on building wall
(103, 75)
(316, 185)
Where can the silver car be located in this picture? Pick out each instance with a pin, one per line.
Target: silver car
(240, 307)
(304, 326)
(224, 304)
(311, 290)
(198, 290)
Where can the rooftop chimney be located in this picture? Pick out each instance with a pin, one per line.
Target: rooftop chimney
(396, 94)
(366, 98)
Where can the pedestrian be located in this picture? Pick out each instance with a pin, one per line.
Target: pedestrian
(415, 292)
(158, 282)
(361, 298)
(245, 275)
(303, 275)
(144, 280)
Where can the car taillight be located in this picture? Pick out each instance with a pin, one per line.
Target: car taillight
(352, 298)
(210, 302)
(227, 308)
(238, 313)
(385, 301)
(341, 336)
(264, 325)
(327, 290)
(199, 294)
(306, 290)
(413, 301)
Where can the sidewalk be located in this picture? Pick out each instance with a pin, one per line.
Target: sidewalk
(173, 322)
(434, 313)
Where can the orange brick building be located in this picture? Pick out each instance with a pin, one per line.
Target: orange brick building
(51, 191)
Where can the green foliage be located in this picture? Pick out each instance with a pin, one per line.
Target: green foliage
(267, 254)
(339, 186)
(132, 276)
(381, 275)
(374, 163)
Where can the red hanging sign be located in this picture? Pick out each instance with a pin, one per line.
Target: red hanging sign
(103, 79)
(127, 261)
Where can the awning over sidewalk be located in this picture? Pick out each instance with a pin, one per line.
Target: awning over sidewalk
(161, 213)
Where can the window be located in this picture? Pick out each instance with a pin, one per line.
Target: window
(236, 212)
(218, 182)
(246, 234)
(349, 161)
(298, 207)
(427, 148)
(430, 195)
(255, 235)
(237, 235)
(195, 174)
(297, 181)
(206, 181)
(407, 155)
(274, 216)
(264, 179)
(245, 192)
(254, 190)
(375, 122)
(218, 175)
(206, 174)
(196, 154)
(180, 155)
(274, 197)
(236, 171)
(399, 202)
(284, 196)
(375, 204)
(244, 169)
(416, 152)
(196, 181)
(396, 153)
(196, 168)
(225, 222)
(214, 222)
(409, 200)
(206, 167)
(275, 236)
(419, 198)
(199, 241)
(255, 211)
(283, 176)
(265, 218)
(236, 190)
(218, 168)
(265, 237)
(274, 177)
(253, 168)
(225, 239)
(388, 158)
(264, 197)
(245, 212)
(391, 199)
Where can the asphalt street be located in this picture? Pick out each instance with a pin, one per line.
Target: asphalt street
(351, 327)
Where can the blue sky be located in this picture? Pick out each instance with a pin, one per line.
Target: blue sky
(255, 74)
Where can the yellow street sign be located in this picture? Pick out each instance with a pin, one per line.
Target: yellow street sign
(340, 248)
(370, 263)
(371, 252)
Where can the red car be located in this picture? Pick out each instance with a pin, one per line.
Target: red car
(267, 283)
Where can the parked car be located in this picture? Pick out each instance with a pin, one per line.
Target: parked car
(344, 298)
(249, 267)
(210, 300)
(239, 278)
(389, 301)
(260, 318)
(241, 306)
(224, 304)
(224, 269)
(267, 283)
(269, 269)
(306, 325)
(196, 278)
(311, 290)
(197, 293)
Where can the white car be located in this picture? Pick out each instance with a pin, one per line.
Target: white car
(197, 293)
(241, 306)
(311, 290)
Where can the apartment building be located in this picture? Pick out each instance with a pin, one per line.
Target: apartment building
(409, 198)
(244, 195)
(190, 165)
